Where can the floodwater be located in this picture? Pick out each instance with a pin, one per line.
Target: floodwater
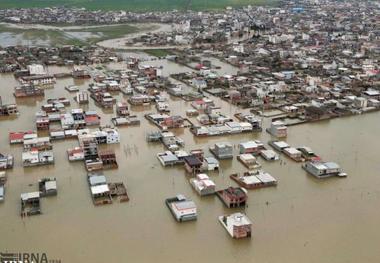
(11, 39)
(301, 220)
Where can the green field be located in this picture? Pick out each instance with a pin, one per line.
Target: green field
(135, 5)
(62, 36)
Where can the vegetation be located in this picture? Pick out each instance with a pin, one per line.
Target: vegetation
(135, 5)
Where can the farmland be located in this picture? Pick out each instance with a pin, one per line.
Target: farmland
(135, 5)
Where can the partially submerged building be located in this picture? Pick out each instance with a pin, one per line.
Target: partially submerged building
(99, 188)
(6, 161)
(203, 185)
(30, 204)
(323, 169)
(182, 209)
(47, 187)
(278, 129)
(237, 225)
(254, 179)
(222, 150)
(233, 197)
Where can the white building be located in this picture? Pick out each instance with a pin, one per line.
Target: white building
(210, 163)
(36, 69)
(278, 129)
(237, 225)
(203, 185)
(113, 136)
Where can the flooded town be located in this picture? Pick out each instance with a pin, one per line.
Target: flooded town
(242, 134)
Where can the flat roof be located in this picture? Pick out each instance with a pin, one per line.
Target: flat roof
(268, 153)
(192, 160)
(26, 196)
(319, 166)
(292, 150)
(281, 144)
(372, 92)
(238, 219)
(202, 176)
(249, 144)
(265, 177)
(208, 183)
(247, 157)
(307, 149)
(51, 185)
(211, 160)
(332, 165)
(184, 205)
(168, 157)
(251, 179)
(99, 189)
(223, 144)
(181, 153)
(97, 180)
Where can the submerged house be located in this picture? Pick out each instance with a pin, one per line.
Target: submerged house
(248, 160)
(6, 161)
(38, 80)
(122, 109)
(42, 123)
(222, 150)
(3, 178)
(182, 209)
(28, 91)
(254, 179)
(108, 157)
(210, 163)
(233, 196)
(203, 185)
(101, 194)
(279, 145)
(99, 188)
(248, 147)
(81, 97)
(237, 225)
(278, 129)
(36, 157)
(19, 137)
(30, 204)
(107, 135)
(269, 155)
(37, 143)
(104, 99)
(167, 158)
(75, 154)
(323, 169)
(47, 187)
(2, 191)
(140, 99)
(8, 110)
(293, 154)
(193, 164)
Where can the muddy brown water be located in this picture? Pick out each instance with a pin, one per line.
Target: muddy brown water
(301, 220)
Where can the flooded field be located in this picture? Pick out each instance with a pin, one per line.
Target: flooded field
(45, 35)
(301, 220)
